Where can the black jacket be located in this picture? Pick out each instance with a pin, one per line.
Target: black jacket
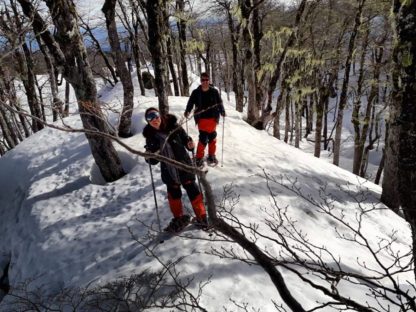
(178, 140)
(213, 108)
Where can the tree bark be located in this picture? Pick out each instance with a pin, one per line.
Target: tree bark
(157, 47)
(57, 104)
(109, 10)
(249, 71)
(69, 51)
(320, 106)
(404, 96)
(238, 63)
(289, 43)
(7, 86)
(360, 129)
(101, 52)
(344, 91)
(67, 92)
(181, 24)
(280, 104)
(8, 131)
(172, 67)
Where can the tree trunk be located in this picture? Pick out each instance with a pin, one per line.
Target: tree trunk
(292, 120)
(101, 52)
(136, 55)
(309, 108)
(320, 105)
(280, 104)
(287, 117)
(390, 184)
(237, 66)
(8, 131)
(28, 81)
(25, 66)
(8, 87)
(289, 43)
(181, 24)
(372, 98)
(249, 70)
(404, 96)
(344, 91)
(69, 51)
(57, 104)
(359, 135)
(133, 30)
(67, 91)
(325, 130)
(157, 47)
(109, 10)
(297, 122)
(172, 67)
(257, 33)
(380, 168)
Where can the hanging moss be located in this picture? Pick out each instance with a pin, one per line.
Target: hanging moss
(193, 45)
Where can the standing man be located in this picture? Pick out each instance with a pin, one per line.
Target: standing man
(208, 108)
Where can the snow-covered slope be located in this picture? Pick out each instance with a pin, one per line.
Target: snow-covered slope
(63, 227)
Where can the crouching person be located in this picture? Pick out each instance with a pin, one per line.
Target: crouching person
(163, 134)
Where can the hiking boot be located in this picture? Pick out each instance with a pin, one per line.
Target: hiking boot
(178, 224)
(212, 160)
(202, 222)
(199, 162)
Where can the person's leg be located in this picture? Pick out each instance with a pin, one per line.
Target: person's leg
(174, 199)
(202, 143)
(212, 143)
(196, 199)
(179, 220)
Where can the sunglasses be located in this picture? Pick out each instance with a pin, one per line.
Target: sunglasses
(151, 116)
(204, 79)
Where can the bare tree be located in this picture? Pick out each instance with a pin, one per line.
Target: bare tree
(96, 42)
(109, 10)
(69, 52)
(131, 20)
(316, 265)
(12, 24)
(157, 46)
(404, 93)
(345, 83)
(147, 290)
(181, 24)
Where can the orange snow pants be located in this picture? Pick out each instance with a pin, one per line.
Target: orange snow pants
(207, 135)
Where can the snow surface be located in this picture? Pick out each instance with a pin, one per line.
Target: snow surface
(62, 226)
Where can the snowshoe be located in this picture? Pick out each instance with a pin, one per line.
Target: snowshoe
(201, 223)
(178, 224)
(212, 161)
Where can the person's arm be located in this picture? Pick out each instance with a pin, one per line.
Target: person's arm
(190, 104)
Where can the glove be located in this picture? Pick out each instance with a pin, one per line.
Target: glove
(186, 114)
(149, 160)
(223, 114)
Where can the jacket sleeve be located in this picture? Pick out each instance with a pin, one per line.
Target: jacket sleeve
(191, 102)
